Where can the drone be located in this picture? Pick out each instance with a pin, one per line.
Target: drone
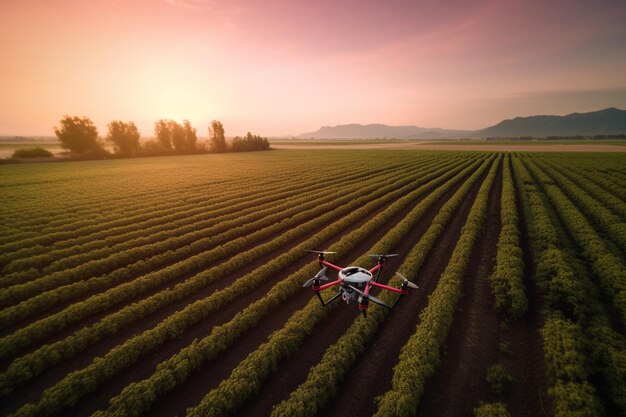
(355, 282)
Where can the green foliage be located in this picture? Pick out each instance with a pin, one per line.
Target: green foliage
(498, 379)
(163, 134)
(323, 379)
(507, 279)
(171, 134)
(127, 353)
(124, 136)
(504, 348)
(36, 152)
(217, 140)
(250, 142)
(491, 410)
(80, 136)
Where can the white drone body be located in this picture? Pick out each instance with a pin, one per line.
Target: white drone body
(355, 275)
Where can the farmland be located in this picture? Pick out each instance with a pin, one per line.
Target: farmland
(173, 286)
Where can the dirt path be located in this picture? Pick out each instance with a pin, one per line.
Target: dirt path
(372, 375)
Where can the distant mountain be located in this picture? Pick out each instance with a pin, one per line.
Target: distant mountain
(604, 122)
(379, 131)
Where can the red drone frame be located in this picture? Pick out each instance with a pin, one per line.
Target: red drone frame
(355, 280)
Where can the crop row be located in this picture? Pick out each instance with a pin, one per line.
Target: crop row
(78, 311)
(597, 213)
(324, 379)
(196, 311)
(178, 369)
(137, 259)
(604, 263)
(507, 279)
(590, 184)
(572, 303)
(195, 248)
(146, 220)
(92, 217)
(419, 357)
(85, 380)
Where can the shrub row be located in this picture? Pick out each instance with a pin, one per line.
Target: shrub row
(23, 369)
(141, 259)
(324, 379)
(507, 279)
(571, 298)
(605, 264)
(139, 396)
(123, 230)
(419, 357)
(597, 213)
(78, 383)
(36, 331)
(591, 185)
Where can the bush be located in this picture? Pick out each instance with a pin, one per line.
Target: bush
(491, 410)
(498, 378)
(36, 152)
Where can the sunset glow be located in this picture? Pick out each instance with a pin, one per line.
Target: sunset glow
(286, 67)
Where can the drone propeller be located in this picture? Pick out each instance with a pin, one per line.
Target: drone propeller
(370, 297)
(319, 276)
(325, 252)
(376, 255)
(406, 280)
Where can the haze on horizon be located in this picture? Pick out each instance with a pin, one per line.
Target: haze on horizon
(286, 67)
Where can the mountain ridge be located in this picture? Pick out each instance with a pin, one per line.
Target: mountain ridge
(602, 122)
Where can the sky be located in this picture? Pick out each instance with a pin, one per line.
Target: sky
(279, 67)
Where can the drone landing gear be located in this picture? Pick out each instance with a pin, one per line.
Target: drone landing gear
(330, 300)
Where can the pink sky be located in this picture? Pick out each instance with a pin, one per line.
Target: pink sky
(287, 67)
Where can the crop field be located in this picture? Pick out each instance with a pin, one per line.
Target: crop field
(173, 286)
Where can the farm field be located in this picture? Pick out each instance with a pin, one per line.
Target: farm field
(173, 286)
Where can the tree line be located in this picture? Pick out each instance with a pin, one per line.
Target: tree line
(79, 135)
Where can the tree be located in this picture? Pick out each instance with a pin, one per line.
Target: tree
(217, 140)
(177, 134)
(162, 132)
(79, 135)
(191, 138)
(124, 136)
(250, 142)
